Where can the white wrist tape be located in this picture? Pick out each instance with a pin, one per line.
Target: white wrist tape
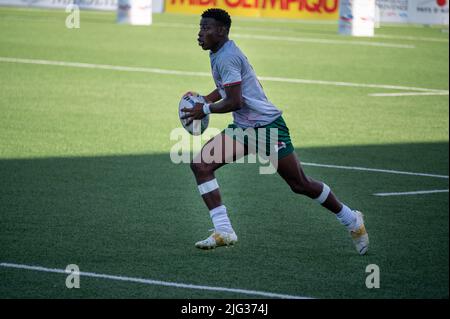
(324, 195)
(206, 108)
(208, 186)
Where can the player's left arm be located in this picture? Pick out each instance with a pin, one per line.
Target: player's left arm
(213, 97)
(230, 70)
(232, 102)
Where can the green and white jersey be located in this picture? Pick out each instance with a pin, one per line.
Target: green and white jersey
(230, 67)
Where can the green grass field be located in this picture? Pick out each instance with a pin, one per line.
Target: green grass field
(86, 177)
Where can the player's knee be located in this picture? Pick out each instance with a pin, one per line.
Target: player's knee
(301, 187)
(201, 169)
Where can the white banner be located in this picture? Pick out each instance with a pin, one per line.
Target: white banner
(428, 11)
(108, 5)
(414, 11)
(395, 11)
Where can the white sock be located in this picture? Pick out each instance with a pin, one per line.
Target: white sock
(347, 217)
(220, 219)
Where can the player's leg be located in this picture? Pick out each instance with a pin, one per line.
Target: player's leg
(216, 153)
(290, 169)
(219, 151)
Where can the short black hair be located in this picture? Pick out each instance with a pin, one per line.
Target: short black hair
(219, 15)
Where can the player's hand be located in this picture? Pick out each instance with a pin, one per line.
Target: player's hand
(195, 94)
(190, 93)
(194, 113)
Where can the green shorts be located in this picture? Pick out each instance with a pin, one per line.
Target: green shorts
(253, 138)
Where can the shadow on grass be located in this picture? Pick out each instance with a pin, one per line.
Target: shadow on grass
(118, 214)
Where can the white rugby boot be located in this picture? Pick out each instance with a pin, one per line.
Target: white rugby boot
(359, 234)
(217, 239)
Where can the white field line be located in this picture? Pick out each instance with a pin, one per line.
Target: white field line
(299, 32)
(103, 66)
(155, 282)
(322, 41)
(348, 84)
(291, 39)
(398, 37)
(413, 193)
(407, 94)
(206, 74)
(196, 27)
(324, 22)
(376, 170)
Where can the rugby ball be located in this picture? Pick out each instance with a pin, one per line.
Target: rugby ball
(197, 127)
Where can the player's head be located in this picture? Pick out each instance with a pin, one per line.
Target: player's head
(214, 28)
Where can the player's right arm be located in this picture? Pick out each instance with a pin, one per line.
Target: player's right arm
(232, 102)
